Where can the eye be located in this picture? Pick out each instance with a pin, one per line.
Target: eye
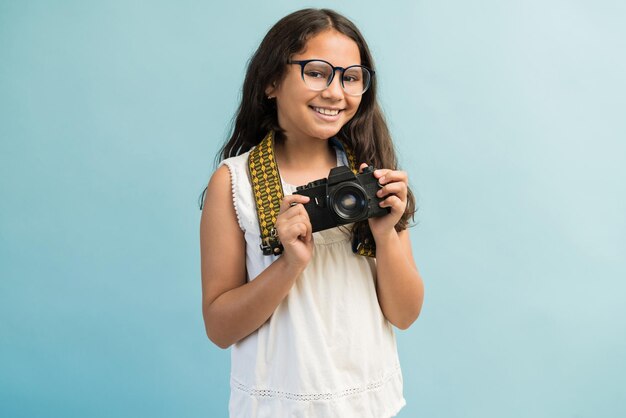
(315, 74)
(317, 70)
(350, 78)
(353, 75)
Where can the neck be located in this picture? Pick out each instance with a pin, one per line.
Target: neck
(301, 161)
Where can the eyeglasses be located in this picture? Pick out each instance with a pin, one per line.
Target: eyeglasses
(318, 74)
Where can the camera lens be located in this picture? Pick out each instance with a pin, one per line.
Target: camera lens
(349, 202)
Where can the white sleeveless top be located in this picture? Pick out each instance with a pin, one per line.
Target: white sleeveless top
(327, 350)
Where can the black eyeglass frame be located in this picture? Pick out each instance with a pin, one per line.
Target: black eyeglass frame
(303, 63)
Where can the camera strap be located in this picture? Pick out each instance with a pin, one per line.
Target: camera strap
(268, 193)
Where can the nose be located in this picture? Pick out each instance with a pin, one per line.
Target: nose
(334, 90)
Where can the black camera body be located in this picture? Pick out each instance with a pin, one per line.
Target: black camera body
(342, 198)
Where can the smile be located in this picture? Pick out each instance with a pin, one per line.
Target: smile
(327, 112)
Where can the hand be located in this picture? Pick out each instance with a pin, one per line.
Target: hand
(294, 231)
(395, 190)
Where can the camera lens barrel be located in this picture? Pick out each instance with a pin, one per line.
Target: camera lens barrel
(349, 202)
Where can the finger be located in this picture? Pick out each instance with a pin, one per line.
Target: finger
(309, 233)
(397, 175)
(397, 188)
(307, 236)
(304, 228)
(287, 201)
(291, 212)
(380, 173)
(294, 232)
(393, 202)
(391, 176)
(284, 224)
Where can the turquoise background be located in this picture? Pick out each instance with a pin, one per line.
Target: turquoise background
(508, 116)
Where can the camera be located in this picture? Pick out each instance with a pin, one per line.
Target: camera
(342, 198)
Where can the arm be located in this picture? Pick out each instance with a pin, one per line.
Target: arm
(399, 285)
(233, 308)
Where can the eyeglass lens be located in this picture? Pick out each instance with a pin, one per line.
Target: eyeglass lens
(355, 80)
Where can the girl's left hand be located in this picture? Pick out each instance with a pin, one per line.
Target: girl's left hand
(394, 191)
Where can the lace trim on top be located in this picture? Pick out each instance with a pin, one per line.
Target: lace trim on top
(233, 190)
(308, 397)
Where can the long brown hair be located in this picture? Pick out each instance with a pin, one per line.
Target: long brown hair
(366, 133)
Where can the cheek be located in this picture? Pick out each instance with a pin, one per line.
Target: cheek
(354, 106)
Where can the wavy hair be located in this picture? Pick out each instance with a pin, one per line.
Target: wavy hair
(366, 133)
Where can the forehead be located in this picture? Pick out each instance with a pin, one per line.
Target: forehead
(332, 46)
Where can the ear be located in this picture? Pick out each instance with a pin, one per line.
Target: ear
(270, 91)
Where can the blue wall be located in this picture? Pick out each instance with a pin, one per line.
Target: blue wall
(509, 117)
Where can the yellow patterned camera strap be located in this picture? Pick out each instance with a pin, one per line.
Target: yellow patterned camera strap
(268, 193)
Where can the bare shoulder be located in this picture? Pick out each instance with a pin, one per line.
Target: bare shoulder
(219, 215)
(220, 182)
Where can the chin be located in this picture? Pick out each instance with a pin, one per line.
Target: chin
(329, 130)
(327, 133)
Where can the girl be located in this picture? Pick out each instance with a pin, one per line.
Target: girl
(311, 328)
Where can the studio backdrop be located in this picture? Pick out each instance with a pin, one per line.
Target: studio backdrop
(508, 117)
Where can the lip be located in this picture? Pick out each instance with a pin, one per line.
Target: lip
(328, 107)
(327, 118)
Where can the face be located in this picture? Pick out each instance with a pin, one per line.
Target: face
(313, 115)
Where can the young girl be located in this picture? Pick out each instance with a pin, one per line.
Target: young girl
(311, 327)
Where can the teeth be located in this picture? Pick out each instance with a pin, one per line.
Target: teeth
(328, 112)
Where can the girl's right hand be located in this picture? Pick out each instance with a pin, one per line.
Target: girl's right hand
(294, 231)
